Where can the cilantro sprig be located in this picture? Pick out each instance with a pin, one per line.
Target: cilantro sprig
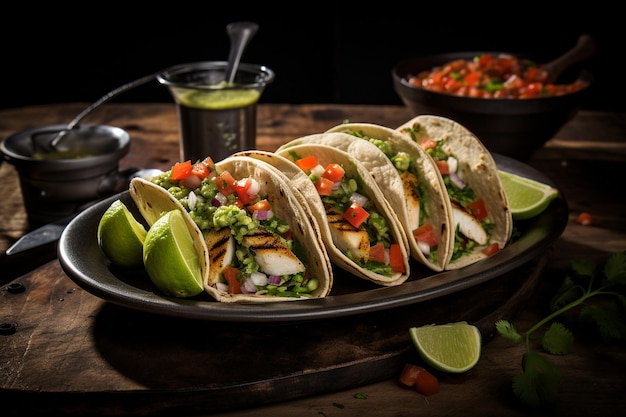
(593, 293)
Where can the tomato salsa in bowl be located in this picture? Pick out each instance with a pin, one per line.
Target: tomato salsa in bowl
(503, 99)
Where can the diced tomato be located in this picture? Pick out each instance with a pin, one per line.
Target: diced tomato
(243, 191)
(396, 260)
(225, 183)
(230, 274)
(428, 144)
(324, 186)
(419, 379)
(356, 214)
(307, 163)
(259, 205)
(426, 234)
(181, 170)
(492, 249)
(584, 219)
(444, 167)
(478, 209)
(377, 252)
(200, 170)
(333, 172)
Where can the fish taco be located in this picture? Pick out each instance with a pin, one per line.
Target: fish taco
(408, 179)
(480, 211)
(260, 242)
(358, 226)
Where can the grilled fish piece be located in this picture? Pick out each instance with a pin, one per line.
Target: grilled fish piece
(221, 246)
(468, 225)
(272, 255)
(347, 237)
(410, 183)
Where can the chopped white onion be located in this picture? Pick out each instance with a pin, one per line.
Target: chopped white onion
(424, 247)
(453, 164)
(219, 200)
(192, 199)
(359, 198)
(255, 187)
(248, 287)
(259, 278)
(317, 170)
(222, 287)
(457, 180)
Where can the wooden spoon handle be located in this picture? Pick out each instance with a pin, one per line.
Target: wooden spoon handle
(584, 49)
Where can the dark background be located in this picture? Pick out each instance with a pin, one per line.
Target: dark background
(332, 55)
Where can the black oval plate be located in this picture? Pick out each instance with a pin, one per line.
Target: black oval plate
(84, 263)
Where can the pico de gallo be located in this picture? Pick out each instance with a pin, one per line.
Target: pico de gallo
(423, 232)
(216, 200)
(488, 75)
(344, 195)
(463, 199)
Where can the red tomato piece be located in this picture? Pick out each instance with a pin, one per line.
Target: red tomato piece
(419, 379)
(478, 209)
(426, 234)
(333, 172)
(324, 186)
(444, 168)
(307, 162)
(181, 170)
(428, 144)
(396, 260)
(200, 170)
(377, 252)
(259, 205)
(225, 183)
(584, 219)
(230, 274)
(492, 249)
(356, 214)
(242, 192)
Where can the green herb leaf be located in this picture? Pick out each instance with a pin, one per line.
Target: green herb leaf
(558, 340)
(507, 330)
(539, 384)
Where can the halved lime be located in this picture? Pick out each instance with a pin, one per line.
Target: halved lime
(527, 198)
(171, 258)
(453, 347)
(121, 236)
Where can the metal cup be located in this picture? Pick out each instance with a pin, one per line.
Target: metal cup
(83, 169)
(216, 119)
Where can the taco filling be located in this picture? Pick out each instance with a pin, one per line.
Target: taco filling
(473, 223)
(358, 229)
(251, 249)
(415, 194)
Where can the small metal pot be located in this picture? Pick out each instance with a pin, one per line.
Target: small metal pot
(83, 169)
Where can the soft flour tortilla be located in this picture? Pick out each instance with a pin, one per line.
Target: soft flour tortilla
(153, 200)
(299, 180)
(432, 193)
(478, 170)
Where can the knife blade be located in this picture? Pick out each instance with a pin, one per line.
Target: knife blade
(41, 236)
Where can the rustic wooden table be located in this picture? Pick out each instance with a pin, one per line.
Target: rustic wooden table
(75, 353)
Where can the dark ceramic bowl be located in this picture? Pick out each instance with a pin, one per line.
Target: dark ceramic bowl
(511, 127)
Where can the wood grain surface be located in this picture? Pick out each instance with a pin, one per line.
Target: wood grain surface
(73, 353)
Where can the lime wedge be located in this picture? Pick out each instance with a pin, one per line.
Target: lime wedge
(121, 236)
(527, 198)
(171, 258)
(453, 347)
